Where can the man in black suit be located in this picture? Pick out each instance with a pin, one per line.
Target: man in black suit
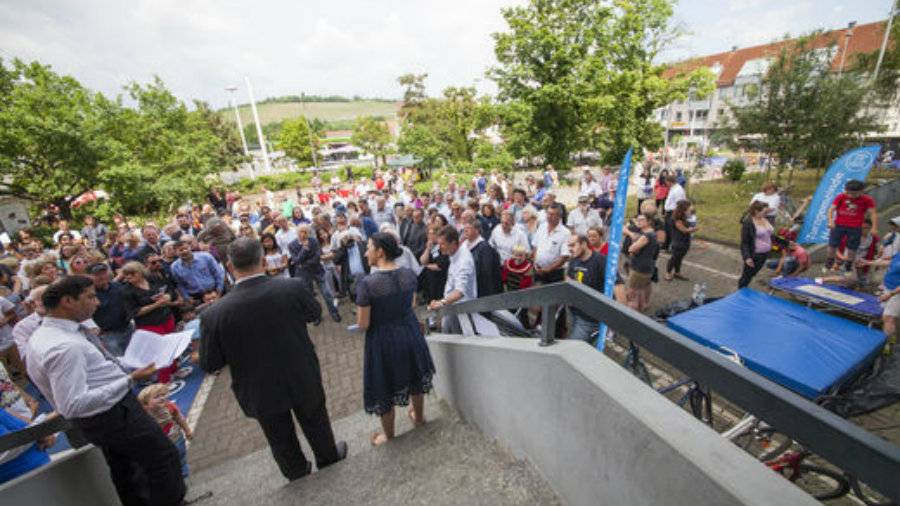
(416, 234)
(488, 270)
(259, 329)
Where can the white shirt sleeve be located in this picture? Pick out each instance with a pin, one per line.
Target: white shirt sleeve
(67, 372)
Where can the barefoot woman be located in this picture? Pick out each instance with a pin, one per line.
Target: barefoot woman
(397, 364)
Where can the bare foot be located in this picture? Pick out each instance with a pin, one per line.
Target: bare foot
(412, 418)
(378, 439)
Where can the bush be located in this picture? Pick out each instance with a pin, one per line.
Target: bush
(734, 169)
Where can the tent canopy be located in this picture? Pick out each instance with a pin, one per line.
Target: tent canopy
(404, 161)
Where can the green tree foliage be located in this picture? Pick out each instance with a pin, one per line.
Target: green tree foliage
(583, 71)
(419, 141)
(372, 137)
(294, 140)
(801, 110)
(52, 145)
(59, 139)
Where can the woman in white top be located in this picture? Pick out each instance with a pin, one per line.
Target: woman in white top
(276, 261)
(769, 196)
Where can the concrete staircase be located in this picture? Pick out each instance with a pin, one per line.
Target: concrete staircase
(447, 461)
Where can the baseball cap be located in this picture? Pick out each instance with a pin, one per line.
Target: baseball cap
(895, 220)
(95, 268)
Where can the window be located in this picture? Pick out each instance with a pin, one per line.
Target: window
(720, 112)
(702, 114)
(678, 116)
(723, 93)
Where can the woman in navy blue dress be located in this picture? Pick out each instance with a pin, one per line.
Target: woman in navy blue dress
(397, 365)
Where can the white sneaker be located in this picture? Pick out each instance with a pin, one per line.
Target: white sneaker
(336, 301)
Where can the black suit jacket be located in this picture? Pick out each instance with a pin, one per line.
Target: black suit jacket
(488, 270)
(416, 238)
(259, 330)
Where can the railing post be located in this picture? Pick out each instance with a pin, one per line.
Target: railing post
(548, 324)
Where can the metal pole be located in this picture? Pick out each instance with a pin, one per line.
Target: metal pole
(237, 116)
(847, 35)
(548, 325)
(308, 129)
(887, 32)
(259, 134)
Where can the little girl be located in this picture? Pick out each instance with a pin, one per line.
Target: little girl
(518, 272)
(169, 417)
(276, 261)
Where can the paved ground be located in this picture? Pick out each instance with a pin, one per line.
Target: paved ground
(224, 434)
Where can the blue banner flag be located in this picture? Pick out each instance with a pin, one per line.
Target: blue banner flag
(853, 164)
(615, 238)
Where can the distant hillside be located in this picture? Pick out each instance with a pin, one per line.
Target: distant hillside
(273, 112)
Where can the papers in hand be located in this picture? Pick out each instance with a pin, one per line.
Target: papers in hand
(149, 347)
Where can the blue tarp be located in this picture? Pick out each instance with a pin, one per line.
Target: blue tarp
(797, 347)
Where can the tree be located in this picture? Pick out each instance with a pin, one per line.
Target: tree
(295, 140)
(372, 137)
(418, 141)
(583, 70)
(51, 142)
(801, 109)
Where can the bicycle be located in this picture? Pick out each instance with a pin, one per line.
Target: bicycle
(758, 438)
(635, 365)
(820, 482)
(696, 396)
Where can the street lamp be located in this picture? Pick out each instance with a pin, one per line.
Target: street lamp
(847, 35)
(259, 133)
(231, 89)
(312, 145)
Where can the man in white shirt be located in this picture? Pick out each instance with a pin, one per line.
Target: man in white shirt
(506, 236)
(551, 248)
(676, 194)
(588, 185)
(382, 213)
(461, 283)
(583, 217)
(284, 233)
(87, 387)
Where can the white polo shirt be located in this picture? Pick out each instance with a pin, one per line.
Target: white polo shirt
(550, 246)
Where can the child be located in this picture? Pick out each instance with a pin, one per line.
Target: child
(868, 244)
(518, 274)
(794, 260)
(169, 418)
(845, 219)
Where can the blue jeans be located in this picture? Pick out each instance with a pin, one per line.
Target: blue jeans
(320, 280)
(582, 328)
(181, 446)
(117, 342)
(787, 268)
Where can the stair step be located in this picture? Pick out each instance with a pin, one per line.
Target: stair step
(446, 461)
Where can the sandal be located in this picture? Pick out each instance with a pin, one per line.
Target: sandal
(667, 277)
(679, 276)
(412, 418)
(378, 439)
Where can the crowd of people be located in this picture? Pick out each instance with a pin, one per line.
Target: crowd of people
(376, 244)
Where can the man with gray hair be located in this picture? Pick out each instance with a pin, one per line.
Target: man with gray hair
(281, 378)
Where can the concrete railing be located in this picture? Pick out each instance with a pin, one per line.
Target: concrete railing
(80, 477)
(596, 433)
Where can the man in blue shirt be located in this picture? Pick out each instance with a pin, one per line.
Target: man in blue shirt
(195, 273)
(110, 316)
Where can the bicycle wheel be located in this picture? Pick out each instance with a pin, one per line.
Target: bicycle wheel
(869, 495)
(819, 482)
(764, 444)
(640, 370)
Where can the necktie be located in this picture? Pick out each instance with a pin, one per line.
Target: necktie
(93, 339)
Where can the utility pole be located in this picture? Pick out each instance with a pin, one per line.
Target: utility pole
(259, 134)
(894, 6)
(308, 130)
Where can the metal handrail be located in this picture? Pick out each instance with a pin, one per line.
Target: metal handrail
(33, 433)
(850, 447)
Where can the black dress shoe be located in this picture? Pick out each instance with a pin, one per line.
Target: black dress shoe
(307, 473)
(341, 450)
(337, 317)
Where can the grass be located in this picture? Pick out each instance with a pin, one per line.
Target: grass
(325, 111)
(721, 203)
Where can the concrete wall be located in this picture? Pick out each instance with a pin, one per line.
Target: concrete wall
(597, 434)
(81, 477)
(885, 195)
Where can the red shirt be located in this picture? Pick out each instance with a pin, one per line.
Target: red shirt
(851, 212)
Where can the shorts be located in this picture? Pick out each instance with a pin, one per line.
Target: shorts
(853, 235)
(639, 280)
(892, 307)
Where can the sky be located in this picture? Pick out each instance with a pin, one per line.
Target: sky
(341, 47)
